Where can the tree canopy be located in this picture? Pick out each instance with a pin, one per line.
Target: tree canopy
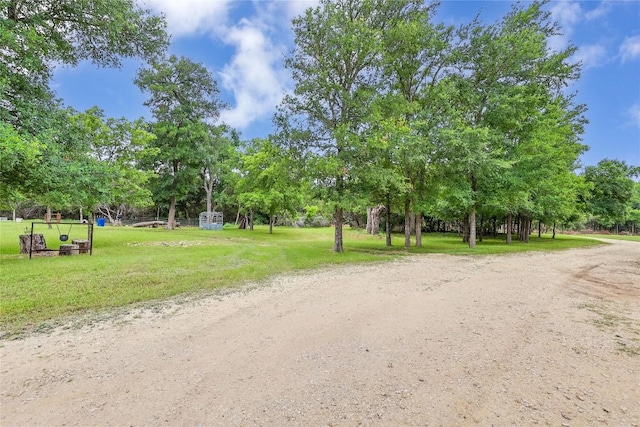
(390, 111)
(183, 97)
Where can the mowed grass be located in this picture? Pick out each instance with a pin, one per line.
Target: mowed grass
(134, 265)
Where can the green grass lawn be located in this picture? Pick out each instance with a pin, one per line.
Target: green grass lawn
(132, 265)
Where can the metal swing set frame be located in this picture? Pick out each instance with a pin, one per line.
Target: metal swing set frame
(63, 237)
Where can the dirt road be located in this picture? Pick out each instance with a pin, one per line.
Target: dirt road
(537, 338)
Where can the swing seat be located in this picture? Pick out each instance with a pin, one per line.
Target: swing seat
(64, 237)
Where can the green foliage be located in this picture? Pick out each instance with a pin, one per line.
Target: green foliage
(183, 96)
(336, 66)
(612, 190)
(102, 31)
(268, 182)
(119, 146)
(19, 156)
(68, 175)
(512, 132)
(37, 34)
(219, 160)
(634, 208)
(436, 120)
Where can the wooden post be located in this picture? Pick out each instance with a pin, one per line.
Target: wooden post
(90, 232)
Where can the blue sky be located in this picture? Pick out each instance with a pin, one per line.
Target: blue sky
(244, 42)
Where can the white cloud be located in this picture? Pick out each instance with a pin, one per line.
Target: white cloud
(634, 113)
(297, 7)
(254, 75)
(591, 55)
(601, 10)
(187, 17)
(567, 14)
(630, 48)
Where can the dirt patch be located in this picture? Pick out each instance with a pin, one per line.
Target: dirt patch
(183, 244)
(431, 340)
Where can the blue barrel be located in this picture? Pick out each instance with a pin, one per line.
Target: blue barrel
(100, 222)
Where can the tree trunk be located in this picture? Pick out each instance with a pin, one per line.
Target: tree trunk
(271, 223)
(472, 228)
(251, 220)
(481, 231)
(208, 188)
(337, 242)
(472, 215)
(13, 212)
(38, 243)
(539, 229)
(525, 224)
(509, 228)
(465, 230)
(375, 222)
(553, 236)
(171, 219)
(47, 216)
(388, 223)
(520, 221)
(407, 222)
(375, 219)
(419, 230)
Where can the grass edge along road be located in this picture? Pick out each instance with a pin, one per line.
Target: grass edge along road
(138, 265)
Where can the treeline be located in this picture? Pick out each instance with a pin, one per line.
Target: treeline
(392, 117)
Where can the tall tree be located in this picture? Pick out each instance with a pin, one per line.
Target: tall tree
(70, 175)
(19, 156)
(120, 148)
(612, 184)
(218, 152)
(507, 78)
(417, 54)
(336, 69)
(38, 34)
(183, 97)
(634, 209)
(268, 181)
